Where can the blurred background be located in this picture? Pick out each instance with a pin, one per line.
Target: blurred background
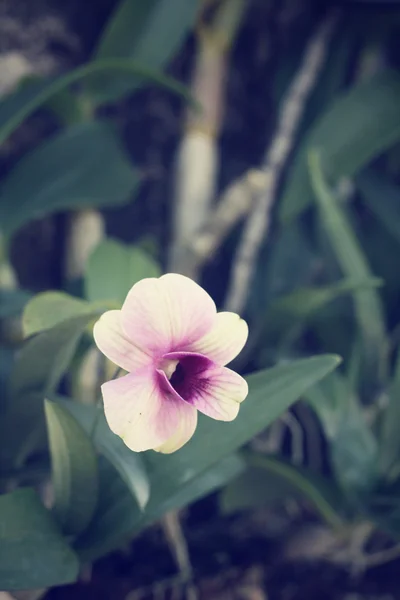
(253, 145)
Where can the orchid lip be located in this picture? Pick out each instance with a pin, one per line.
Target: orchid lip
(180, 370)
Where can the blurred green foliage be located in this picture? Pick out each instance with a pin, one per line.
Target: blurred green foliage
(327, 283)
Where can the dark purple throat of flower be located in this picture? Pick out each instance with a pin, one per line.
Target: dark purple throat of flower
(185, 373)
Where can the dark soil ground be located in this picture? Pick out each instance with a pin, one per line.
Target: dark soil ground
(232, 557)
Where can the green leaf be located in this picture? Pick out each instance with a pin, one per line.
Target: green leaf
(149, 32)
(82, 166)
(304, 302)
(33, 553)
(67, 106)
(129, 464)
(329, 399)
(271, 479)
(271, 392)
(118, 517)
(44, 358)
(382, 197)
(255, 488)
(16, 107)
(197, 487)
(290, 262)
(353, 447)
(48, 309)
(74, 470)
(38, 369)
(354, 452)
(363, 123)
(113, 268)
(288, 316)
(368, 308)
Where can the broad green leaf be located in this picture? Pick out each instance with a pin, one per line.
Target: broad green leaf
(353, 447)
(289, 262)
(43, 359)
(38, 369)
(113, 268)
(74, 470)
(382, 197)
(16, 107)
(67, 106)
(271, 479)
(360, 125)
(48, 309)
(82, 166)
(149, 32)
(330, 399)
(118, 517)
(115, 520)
(354, 452)
(286, 266)
(33, 554)
(368, 308)
(381, 249)
(255, 488)
(208, 481)
(302, 303)
(129, 464)
(271, 392)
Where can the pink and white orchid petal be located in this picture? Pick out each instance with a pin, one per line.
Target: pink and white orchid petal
(218, 393)
(141, 412)
(224, 341)
(113, 342)
(185, 430)
(165, 314)
(215, 391)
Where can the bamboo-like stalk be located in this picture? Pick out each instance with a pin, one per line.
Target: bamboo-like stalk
(197, 156)
(13, 67)
(8, 278)
(195, 183)
(275, 161)
(85, 231)
(233, 205)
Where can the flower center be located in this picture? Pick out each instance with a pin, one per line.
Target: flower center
(185, 374)
(169, 367)
(178, 376)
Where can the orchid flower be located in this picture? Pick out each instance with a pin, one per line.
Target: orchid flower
(174, 345)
